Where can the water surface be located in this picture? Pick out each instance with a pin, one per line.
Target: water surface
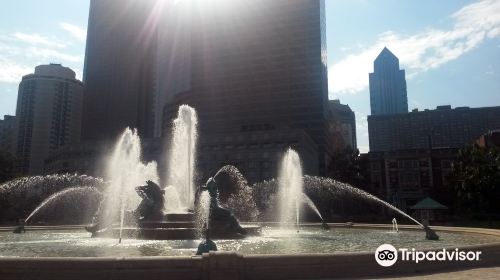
(77, 243)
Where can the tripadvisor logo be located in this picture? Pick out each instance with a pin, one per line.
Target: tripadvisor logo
(386, 255)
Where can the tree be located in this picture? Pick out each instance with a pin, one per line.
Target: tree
(349, 167)
(475, 180)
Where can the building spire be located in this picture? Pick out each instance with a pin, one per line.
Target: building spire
(386, 53)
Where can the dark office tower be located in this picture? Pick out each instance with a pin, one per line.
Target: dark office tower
(119, 67)
(257, 69)
(388, 86)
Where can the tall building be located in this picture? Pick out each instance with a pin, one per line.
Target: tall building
(255, 66)
(119, 68)
(7, 134)
(342, 126)
(49, 109)
(443, 127)
(387, 86)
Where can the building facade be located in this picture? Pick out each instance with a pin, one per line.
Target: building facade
(256, 153)
(491, 139)
(388, 93)
(443, 127)
(119, 72)
(259, 66)
(342, 126)
(411, 154)
(405, 177)
(87, 157)
(49, 110)
(7, 134)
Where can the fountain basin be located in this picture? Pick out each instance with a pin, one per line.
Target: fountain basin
(267, 260)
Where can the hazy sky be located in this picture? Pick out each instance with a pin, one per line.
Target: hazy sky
(450, 49)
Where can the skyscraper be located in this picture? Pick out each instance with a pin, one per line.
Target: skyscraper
(257, 66)
(388, 86)
(119, 67)
(49, 108)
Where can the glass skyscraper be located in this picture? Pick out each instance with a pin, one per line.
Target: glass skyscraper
(246, 66)
(119, 68)
(256, 66)
(388, 86)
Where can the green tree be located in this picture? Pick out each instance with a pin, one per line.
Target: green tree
(350, 167)
(475, 180)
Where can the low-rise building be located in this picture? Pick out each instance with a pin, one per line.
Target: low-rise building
(443, 127)
(405, 177)
(341, 126)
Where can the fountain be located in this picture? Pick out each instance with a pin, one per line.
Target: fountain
(207, 245)
(131, 209)
(182, 158)
(179, 211)
(395, 225)
(335, 186)
(291, 194)
(290, 188)
(136, 206)
(236, 194)
(20, 196)
(220, 220)
(125, 171)
(79, 191)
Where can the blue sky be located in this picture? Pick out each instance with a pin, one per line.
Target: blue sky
(450, 49)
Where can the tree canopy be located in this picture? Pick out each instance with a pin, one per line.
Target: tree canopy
(475, 179)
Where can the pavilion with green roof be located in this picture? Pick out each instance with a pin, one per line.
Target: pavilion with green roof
(428, 210)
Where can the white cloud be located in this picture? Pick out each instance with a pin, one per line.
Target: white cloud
(51, 55)
(11, 72)
(423, 51)
(78, 73)
(75, 31)
(37, 39)
(414, 104)
(21, 52)
(362, 122)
